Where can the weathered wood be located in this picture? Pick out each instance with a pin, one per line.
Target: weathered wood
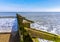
(27, 34)
(35, 39)
(42, 34)
(29, 20)
(24, 36)
(20, 28)
(26, 25)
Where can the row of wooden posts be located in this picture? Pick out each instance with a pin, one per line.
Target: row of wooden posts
(24, 35)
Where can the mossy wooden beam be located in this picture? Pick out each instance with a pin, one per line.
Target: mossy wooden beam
(42, 34)
(20, 19)
(24, 35)
(35, 39)
(57, 39)
(29, 20)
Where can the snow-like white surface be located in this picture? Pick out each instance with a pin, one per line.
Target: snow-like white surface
(8, 24)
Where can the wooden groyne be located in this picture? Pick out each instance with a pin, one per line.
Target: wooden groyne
(33, 33)
(25, 33)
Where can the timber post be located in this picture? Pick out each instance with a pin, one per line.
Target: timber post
(20, 27)
(24, 35)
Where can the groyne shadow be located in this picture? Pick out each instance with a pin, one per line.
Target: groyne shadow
(14, 37)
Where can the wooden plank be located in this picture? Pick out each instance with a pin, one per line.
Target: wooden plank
(35, 39)
(42, 34)
(29, 20)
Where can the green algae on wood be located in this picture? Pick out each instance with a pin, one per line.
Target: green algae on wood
(23, 37)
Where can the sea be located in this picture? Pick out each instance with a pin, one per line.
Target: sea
(45, 21)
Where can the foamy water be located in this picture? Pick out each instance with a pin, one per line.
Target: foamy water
(8, 24)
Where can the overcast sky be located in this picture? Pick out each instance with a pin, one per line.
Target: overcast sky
(29, 5)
